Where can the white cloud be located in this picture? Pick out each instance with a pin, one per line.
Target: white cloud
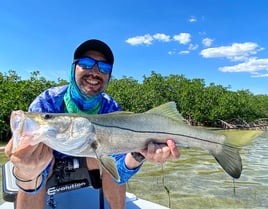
(171, 52)
(193, 47)
(192, 19)
(207, 42)
(240, 52)
(148, 39)
(184, 52)
(202, 33)
(183, 38)
(235, 52)
(254, 66)
(259, 75)
(161, 37)
(138, 40)
(175, 51)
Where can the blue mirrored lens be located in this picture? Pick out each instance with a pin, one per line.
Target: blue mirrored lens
(105, 67)
(88, 63)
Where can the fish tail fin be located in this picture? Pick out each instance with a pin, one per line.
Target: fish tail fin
(228, 157)
(239, 138)
(109, 164)
(230, 160)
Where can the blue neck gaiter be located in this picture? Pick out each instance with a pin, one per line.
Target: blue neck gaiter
(77, 102)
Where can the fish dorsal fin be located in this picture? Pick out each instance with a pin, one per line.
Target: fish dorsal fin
(168, 110)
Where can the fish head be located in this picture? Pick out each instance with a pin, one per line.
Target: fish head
(62, 132)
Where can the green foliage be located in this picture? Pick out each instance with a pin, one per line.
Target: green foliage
(125, 91)
(197, 102)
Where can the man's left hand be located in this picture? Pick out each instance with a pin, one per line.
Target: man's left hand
(161, 152)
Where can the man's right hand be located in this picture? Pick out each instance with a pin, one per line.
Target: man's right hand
(29, 162)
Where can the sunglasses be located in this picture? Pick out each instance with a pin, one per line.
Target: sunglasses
(88, 63)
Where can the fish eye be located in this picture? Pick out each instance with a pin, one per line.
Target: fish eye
(47, 116)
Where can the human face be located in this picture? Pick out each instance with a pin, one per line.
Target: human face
(91, 82)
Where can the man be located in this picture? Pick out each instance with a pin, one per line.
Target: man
(90, 74)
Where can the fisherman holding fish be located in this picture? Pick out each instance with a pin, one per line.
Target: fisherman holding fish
(34, 165)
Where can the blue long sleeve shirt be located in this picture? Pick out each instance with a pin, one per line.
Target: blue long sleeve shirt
(51, 101)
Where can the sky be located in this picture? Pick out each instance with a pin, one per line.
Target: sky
(224, 42)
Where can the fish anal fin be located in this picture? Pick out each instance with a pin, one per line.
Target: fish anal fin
(109, 164)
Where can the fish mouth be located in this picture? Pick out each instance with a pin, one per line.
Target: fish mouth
(16, 121)
(16, 126)
(22, 126)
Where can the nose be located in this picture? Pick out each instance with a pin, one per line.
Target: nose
(95, 68)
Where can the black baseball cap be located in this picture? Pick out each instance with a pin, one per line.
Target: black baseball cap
(96, 45)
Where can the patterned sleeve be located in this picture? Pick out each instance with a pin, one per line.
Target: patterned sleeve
(51, 100)
(124, 173)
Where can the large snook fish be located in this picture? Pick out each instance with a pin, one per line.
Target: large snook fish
(122, 132)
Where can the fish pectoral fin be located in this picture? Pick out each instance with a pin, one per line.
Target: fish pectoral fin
(109, 164)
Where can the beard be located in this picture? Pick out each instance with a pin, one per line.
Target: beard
(91, 85)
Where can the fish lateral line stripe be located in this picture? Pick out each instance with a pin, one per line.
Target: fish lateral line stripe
(159, 132)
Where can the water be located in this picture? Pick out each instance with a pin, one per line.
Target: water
(197, 181)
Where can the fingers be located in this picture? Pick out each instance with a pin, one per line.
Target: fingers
(28, 160)
(42, 153)
(173, 149)
(36, 154)
(8, 148)
(31, 160)
(161, 152)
